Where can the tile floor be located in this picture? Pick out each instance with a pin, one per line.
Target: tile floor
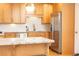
(52, 53)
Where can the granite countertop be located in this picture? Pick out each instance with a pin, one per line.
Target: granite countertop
(28, 40)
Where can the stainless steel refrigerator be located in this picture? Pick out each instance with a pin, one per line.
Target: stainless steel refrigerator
(56, 28)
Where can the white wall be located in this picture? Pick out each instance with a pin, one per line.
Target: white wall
(76, 48)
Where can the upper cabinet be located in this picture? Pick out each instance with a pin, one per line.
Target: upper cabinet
(5, 13)
(47, 12)
(39, 9)
(57, 8)
(18, 13)
(12, 13)
(1, 13)
(22, 11)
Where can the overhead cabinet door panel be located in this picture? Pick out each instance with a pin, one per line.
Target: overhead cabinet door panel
(1, 13)
(7, 13)
(22, 7)
(48, 9)
(16, 13)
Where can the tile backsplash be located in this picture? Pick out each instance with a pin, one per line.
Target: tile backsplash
(36, 21)
(33, 24)
(12, 28)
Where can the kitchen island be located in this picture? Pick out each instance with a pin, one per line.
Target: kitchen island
(31, 46)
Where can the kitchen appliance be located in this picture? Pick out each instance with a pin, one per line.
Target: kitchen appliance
(56, 28)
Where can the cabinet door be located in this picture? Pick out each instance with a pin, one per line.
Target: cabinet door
(5, 50)
(16, 13)
(7, 13)
(22, 10)
(10, 35)
(48, 9)
(1, 13)
(20, 50)
(44, 34)
(30, 49)
(39, 9)
(57, 8)
(38, 34)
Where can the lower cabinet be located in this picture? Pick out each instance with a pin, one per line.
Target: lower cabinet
(30, 50)
(10, 35)
(24, 50)
(38, 34)
(21, 50)
(6, 50)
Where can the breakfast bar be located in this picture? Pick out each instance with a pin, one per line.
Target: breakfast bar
(31, 46)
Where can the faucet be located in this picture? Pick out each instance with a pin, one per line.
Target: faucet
(34, 27)
(27, 28)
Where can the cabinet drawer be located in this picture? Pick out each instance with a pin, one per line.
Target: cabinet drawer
(38, 34)
(10, 35)
(1, 36)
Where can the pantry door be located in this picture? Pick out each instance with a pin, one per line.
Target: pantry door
(76, 47)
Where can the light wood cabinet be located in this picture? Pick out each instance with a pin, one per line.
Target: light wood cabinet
(10, 35)
(5, 13)
(31, 49)
(12, 13)
(5, 50)
(22, 13)
(38, 34)
(1, 13)
(1, 36)
(16, 13)
(47, 12)
(20, 50)
(24, 50)
(39, 9)
(57, 8)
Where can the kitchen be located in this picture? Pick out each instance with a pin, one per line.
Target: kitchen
(32, 29)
